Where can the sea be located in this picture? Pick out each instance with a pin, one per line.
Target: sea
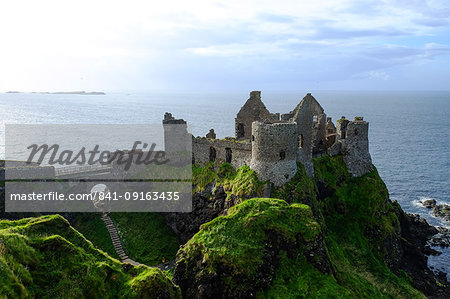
(409, 131)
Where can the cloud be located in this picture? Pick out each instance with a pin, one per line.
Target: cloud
(375, 75)
(269, 17)
(185, 43)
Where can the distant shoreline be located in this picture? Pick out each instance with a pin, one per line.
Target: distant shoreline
(64, 92)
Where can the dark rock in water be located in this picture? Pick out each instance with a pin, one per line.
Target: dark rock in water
(441, 239)
(429, 203)
(411, 251)
(442, 211)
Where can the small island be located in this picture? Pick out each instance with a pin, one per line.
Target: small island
(65, 92)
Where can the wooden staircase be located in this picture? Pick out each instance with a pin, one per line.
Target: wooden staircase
(116, 241)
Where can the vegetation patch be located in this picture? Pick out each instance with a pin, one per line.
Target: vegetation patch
(94, 229)
(146, 237)
(273, 248)
(301, 188)
(46, 258)
(241, 183)
(237, 253)
(358, 217)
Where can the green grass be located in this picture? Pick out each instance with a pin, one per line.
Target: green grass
(301, 188)
(241, 183)
(203, 176)
(94, 229)
(299, 279)
(354, 215)
(46, 258)
(359, 216)
(235, 245)
(146, 237)
(237, 240)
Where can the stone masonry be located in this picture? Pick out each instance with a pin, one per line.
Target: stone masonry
(272, 143)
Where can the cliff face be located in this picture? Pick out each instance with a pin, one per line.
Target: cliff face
(350, 240)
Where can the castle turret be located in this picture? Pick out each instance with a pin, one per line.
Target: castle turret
(176, 136)
(355, 147)
(274, 151)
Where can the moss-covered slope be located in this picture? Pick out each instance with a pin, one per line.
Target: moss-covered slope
(46, 258)
(330, 236)
(236, 255)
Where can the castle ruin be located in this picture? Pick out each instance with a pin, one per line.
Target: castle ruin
(272, 143)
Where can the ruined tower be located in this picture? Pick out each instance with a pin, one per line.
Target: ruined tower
(353, 143)
(274, 151)
(310, 119)
(176, 136)
(253, 110)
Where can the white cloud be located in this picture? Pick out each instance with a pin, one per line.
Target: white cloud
(52, 42)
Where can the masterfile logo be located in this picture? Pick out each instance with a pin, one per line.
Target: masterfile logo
(82, 168)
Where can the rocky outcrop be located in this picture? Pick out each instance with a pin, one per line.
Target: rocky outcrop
(237, 255)
(205, 207)
(441, 211)
(442, 238)
(411, 249)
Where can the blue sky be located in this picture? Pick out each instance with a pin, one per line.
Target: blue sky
(225, 45)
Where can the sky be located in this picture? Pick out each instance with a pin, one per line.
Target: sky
(112, 45)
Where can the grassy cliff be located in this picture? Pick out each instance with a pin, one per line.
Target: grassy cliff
(323, 237)
(327, 236)
(45, 257)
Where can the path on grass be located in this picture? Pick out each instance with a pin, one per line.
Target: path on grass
(116, 241)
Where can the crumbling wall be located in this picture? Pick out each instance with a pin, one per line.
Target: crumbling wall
(341, 128)
(253, 110)
(330, 132)
(318, 135)
(304, 115)
(353, 143)
(176, 136)
(237, 153)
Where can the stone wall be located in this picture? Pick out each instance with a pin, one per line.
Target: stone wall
(318, 135)
(253, 110)
(355, 147)
(272, 143)
(274, 151)
(203, 148)
(304, 115)
(341, 128)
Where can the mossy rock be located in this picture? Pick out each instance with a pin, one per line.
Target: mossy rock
(239, 184)
(46, 258)
(237, 255)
